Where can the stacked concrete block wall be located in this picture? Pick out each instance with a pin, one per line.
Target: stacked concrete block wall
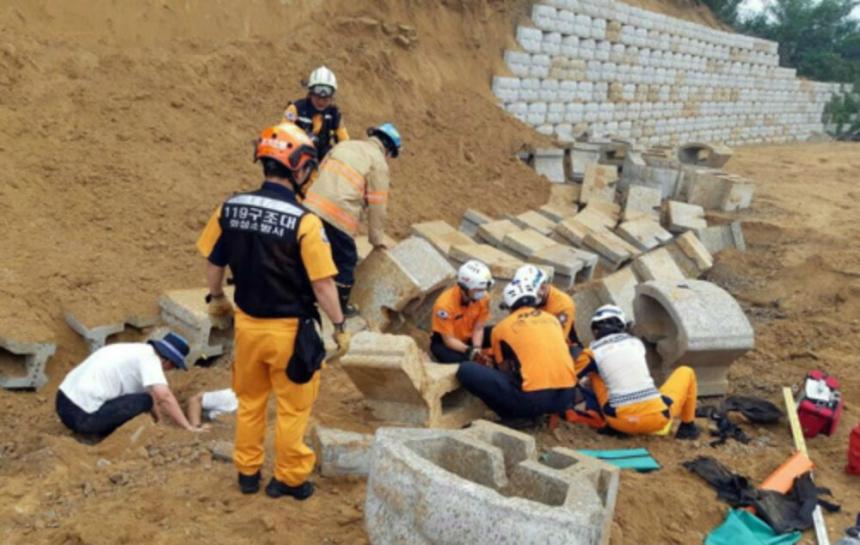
(651, 78)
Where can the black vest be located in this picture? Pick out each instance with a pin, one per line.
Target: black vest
(260, 230)
(327, 136)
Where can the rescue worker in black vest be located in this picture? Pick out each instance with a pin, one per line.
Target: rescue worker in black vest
(619, 378)
(282, 266)
(533, 372)
(317, 115)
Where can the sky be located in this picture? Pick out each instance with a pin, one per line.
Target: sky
(750, 7)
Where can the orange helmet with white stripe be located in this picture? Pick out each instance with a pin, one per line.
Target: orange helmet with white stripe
(287, 144)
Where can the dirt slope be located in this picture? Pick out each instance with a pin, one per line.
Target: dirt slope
(123, 124)
(126, 125)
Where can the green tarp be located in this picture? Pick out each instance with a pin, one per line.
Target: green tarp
(743, 528)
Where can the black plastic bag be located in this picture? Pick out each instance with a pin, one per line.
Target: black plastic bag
(308, 353)
(760, 411)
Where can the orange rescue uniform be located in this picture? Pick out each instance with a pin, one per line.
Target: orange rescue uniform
(451, 317)
(560, 305)
(532, 340)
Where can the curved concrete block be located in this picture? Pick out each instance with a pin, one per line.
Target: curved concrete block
(486, 485)
(695, 323)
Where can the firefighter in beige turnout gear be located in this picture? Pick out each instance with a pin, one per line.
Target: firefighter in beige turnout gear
(354, 178)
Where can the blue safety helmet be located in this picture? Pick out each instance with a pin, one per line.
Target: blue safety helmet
(389, 135)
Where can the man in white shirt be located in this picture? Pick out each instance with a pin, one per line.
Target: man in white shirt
(120, 381)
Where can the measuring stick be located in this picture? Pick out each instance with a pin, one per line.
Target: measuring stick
(800, 444)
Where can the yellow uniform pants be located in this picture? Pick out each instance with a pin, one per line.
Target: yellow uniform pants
(649, 416)
(263, 348)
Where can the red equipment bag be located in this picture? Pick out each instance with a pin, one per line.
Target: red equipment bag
(853, 466)
(820, 404)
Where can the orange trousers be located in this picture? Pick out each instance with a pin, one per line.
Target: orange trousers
(648, 416)
(263, 348)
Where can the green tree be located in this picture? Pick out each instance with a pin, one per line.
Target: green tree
(725, 10)
(818, 38)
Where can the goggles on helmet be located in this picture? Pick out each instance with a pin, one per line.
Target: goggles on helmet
(322, 91)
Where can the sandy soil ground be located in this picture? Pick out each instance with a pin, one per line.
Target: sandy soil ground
(122, 127)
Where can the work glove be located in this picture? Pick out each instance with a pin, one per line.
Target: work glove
(341, 339)
(220, 307)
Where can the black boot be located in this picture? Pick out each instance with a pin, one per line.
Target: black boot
(276, 489)
(249, 484)
(349, 310)
(687, 430)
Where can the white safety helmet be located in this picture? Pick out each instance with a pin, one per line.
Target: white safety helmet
(531, 276)
(515, 292)
(474, 275)
(322, 82)
(608, 312)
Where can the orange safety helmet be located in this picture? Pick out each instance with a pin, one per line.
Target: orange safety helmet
(287, 144)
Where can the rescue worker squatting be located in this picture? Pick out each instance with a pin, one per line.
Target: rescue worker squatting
(282, 266)
(618, 372)
(460, 314)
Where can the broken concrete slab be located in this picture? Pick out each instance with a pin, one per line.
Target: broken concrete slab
(389, 280)
(186, 312)
(573, 231)
(493, 233)
(586, 300)
(600, 183)
(641, 200)
(472, 219)
(582, 156)
(418, 477)
(22, 363)
(739, 196)
(681, 217)
(613, 250)
(633, 170)
(597, 216)
(526, 243)
(534, 220)
(549, 163)
(690, 255)
(364, 247)
(564, 194)
(342, 453)
(221, 450)
(609, 212)
(401, 385)
(571, 265)
(645, 234)
(441, 235)
(501, 264)
(657, 265)
(693, 323)
(95, 335)
(717, 238)
(619, 289)
(699, 153)
(557, 212)
(704, 187)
